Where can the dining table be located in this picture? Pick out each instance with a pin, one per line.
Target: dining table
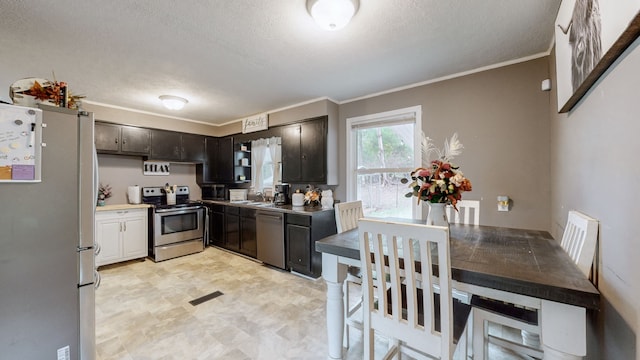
(524, 267)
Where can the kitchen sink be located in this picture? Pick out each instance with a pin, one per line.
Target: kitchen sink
(263, 204)
(254, 203)
(259, 203)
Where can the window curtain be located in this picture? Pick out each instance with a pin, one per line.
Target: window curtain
(258, 150)
(275, 148)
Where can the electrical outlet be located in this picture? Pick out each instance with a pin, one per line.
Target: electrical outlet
(64, 353)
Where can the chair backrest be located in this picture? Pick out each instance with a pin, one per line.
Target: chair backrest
(579, 240)
(347, 215)
(468, 212)
(408, 251)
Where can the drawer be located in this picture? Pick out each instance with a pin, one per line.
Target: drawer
(247, 212)
(216, 207)
(296, 219)
(235, 210)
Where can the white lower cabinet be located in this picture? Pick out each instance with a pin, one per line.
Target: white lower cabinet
(121, 235)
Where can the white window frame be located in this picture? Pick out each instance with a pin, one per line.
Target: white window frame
(387, 116)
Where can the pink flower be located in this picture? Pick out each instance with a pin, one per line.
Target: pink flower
(424, 173)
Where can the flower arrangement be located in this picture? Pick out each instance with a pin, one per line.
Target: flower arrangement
(53, 92)
(104, 192)
(312, 197)
(439, 181)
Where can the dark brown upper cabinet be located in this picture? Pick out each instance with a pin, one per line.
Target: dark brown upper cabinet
(175, 146)
(122, 139)
(304, 152)
(218, 163)
(193, 148)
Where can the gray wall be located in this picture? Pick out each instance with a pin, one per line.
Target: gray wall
(595, 169)
(502, 119)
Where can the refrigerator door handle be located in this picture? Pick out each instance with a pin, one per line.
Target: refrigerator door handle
(98, 278)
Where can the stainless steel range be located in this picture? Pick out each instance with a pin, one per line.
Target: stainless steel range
(178, 229)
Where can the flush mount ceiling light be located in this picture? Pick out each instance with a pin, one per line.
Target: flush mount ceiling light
(173, 102)
(332, 15)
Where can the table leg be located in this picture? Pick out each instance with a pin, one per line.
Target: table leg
(563, 331)
(334, 274)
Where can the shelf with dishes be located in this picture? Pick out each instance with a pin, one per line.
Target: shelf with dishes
(242, 162)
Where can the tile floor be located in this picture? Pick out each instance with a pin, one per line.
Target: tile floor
(143, 312)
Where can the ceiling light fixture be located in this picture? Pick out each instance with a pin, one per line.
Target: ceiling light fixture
(332, 15)
(173, 102)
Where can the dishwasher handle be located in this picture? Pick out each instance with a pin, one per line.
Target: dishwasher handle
(269, 215)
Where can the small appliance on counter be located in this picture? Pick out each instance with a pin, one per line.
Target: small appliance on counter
(238, 194)
(281, 196)
(214, 192)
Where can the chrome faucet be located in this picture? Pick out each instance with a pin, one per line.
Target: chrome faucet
(261, 195)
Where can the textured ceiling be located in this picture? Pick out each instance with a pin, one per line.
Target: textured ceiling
(233, 59)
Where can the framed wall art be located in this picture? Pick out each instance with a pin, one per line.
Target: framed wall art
(590, 35)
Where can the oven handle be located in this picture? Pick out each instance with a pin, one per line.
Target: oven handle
(178, 210)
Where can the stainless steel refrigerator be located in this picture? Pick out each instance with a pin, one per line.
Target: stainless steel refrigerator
(47, 271)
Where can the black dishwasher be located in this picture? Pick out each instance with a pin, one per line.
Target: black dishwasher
(270, 234)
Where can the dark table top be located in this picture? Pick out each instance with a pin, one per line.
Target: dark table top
(527, 262)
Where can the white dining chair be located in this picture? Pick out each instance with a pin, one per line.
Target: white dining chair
(347, 216)
(579, 241)
(399, 299)
(468, 212)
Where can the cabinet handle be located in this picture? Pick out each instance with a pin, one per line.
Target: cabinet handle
(120, 226)
(124, 141)
(116, 139)
(125, 226)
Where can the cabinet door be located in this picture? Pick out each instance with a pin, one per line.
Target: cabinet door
(232, 232)
(313, 158)
(210, 166)
(248, 240)
(216, 229)
(291, 172)
(108, 238)
(165, 145)
(299, 248)
(107, 137)
(134, 237)
(225, 160)
(135, 140)
(192, 147)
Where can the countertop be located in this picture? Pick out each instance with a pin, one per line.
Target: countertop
(302, 210)
(122, 207)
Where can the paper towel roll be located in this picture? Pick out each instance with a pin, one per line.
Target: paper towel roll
(133, 193)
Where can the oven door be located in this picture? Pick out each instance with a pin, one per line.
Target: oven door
(176, 225)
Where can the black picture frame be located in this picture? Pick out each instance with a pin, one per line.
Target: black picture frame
(582, 55)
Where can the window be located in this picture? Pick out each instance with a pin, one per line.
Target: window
(384, 148)
(267, 171)
(266, 158)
